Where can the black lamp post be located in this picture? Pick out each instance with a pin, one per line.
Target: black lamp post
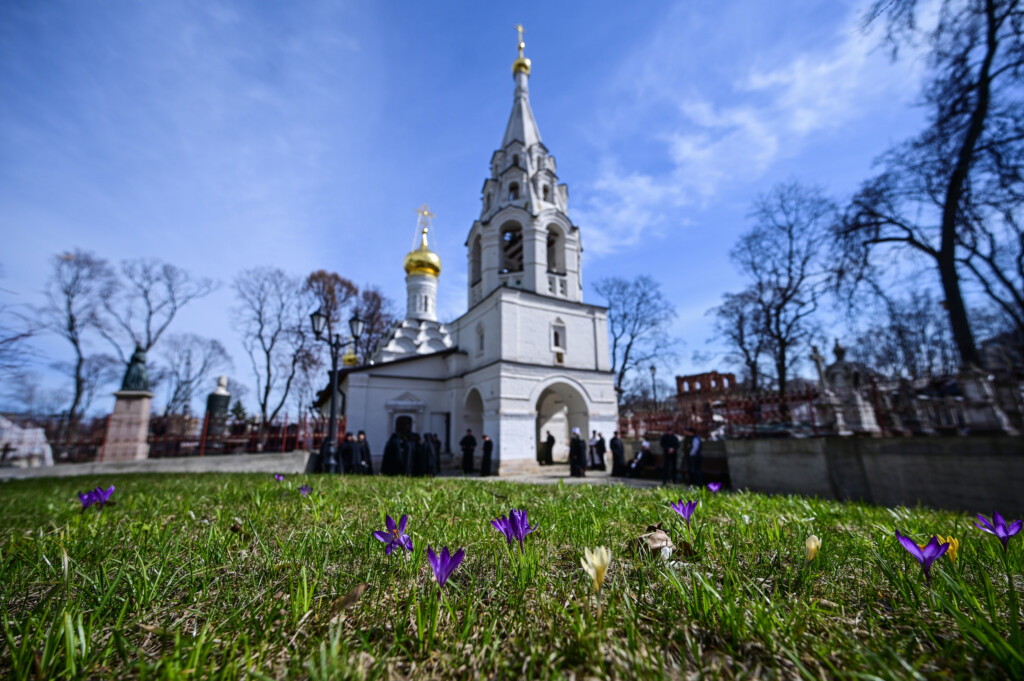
(328, 458)
(654, 385)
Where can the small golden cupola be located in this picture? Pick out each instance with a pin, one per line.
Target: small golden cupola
(521, 63)
(422, 260)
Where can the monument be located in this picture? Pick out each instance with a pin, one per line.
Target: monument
(217, 404)
(127, 437)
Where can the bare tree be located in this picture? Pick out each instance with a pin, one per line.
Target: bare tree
(378, 312)
(334, 293)
(75, 292)
(272, 318)
(782, 256)
(189, 362)
(740, 322)
(26, 392)
(138, 310)
(910, 339)
(638, 319)
(15, 331)
(943, 194)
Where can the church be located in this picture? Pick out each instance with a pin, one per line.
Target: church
(528, 356)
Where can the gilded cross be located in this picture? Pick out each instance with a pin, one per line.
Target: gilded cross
(521, 30)
(425, 216)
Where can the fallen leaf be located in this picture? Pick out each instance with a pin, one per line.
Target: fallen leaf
(347, 601)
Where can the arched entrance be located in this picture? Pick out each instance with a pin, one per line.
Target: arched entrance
(560, 408)
(473, 416)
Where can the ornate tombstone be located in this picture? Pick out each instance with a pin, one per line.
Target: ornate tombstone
(982, 413)
(217, 404)
(827, 408)
(841, 404)
(127, 435)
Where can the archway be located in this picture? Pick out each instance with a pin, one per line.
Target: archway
(560, 408)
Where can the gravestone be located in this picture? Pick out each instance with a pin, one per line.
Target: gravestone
(127, 437)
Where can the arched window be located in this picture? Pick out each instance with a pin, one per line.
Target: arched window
(547, 193)
(479, 339)
(515, 160)
(558, 335)
(474, 266)
(487, 202)
(513, 191)
(556, 250)
(511, 248)
(426, 304)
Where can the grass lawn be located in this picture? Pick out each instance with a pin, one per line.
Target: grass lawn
(234, 576)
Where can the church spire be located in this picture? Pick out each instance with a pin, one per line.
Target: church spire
(522, 126)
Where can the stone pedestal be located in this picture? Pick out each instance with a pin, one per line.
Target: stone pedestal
(128, 428)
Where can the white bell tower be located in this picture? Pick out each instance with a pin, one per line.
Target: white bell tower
(524, 238)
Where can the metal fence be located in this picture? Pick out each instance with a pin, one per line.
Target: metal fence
(174, 436)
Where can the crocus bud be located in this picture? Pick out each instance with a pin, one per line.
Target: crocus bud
(812, 544)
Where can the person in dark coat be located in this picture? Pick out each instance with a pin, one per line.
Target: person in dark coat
(670, 452)
(599, 449)
(418, 461)
(577, 455)
(549, 450)
(467, 444)
(485, 462)
(365, 463)
(398, 454)
(348, 450)
(435, 462)
(618, 456)
(641, 460)
(694, 457)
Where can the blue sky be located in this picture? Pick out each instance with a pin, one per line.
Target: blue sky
(223, 135)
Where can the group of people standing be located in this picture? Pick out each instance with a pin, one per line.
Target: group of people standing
(468, 446)
(582, 453)
(408, 453)
(355, 454)
(691, 447)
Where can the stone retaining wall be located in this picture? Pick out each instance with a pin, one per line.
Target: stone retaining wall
(975, 474)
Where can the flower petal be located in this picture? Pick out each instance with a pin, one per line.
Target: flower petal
(1014, 528)
(997, 520)
(987, 525)
(910, 546)
(382, 536)
(390, 523)
(401, 524)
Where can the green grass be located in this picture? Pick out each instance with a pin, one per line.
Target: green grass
(234, 576)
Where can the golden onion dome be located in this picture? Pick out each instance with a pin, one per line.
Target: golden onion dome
(521, 64)
(423, 260)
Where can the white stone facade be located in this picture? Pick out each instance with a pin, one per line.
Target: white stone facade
(528, 355)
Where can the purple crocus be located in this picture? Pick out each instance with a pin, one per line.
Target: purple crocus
(87, 499)
(686, 510)
(278, 477)
(305, 490)
(444, 564)
(395, 537)
(998, 527)
(714, 487)
(515, 527)
(926, 554)
(102, 496)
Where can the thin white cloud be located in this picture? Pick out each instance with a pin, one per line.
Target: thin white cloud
(717, 137)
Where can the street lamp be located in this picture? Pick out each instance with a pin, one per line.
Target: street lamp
(654, 385)
(328, 459)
